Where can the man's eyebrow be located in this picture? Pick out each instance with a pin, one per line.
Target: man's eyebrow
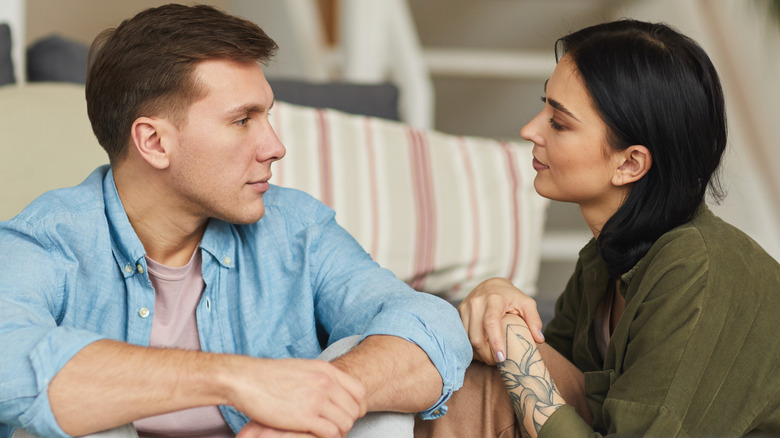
(249, 108)
(557, 105)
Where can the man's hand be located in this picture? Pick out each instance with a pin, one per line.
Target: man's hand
(312, 397)
(482, 311)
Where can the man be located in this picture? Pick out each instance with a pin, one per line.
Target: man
(177, 281)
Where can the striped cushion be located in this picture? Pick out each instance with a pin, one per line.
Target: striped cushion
(442, 212)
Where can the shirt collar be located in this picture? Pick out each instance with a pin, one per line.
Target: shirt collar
(128, 249)
(703, 211)
(218, 243)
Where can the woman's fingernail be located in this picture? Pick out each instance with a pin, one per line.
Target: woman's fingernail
(541, 335)
(500, 356)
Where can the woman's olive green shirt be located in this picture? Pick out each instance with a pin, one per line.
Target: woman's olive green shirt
(697, 349)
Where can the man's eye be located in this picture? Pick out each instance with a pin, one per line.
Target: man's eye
(243, 121)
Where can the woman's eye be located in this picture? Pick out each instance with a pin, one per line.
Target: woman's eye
(555, 125)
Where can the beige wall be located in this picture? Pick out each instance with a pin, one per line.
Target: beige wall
(82, 20)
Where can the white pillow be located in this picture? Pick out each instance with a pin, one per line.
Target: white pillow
(442, 212)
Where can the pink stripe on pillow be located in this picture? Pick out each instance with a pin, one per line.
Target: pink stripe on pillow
(327, 185)
(373, 187)
(416, 281)
(471, 183)
(426, 213)
(430, 248)
(512, 169)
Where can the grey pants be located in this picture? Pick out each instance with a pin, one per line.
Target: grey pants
(373, 425)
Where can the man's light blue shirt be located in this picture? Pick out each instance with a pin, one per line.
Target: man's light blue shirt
(72, 271)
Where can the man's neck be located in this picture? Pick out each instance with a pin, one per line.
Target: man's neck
(168, 234)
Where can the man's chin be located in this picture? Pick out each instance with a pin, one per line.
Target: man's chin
(244, 218)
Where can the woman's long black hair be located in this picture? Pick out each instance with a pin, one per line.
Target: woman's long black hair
(655, 87)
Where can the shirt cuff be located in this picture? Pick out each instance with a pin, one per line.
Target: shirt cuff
(565, 421)
(438, 409)
(47, 359)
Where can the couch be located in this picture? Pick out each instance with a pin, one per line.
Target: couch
(442, 212)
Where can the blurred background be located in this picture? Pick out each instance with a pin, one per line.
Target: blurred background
(477, 67)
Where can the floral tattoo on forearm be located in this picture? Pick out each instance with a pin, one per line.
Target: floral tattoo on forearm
(531, 388)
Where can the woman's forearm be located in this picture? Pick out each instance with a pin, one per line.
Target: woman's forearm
(531, 388)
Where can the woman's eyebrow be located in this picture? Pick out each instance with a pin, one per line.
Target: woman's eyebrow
(557, 105)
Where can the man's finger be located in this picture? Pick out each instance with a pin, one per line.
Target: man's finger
(356, 392)
(337, 416)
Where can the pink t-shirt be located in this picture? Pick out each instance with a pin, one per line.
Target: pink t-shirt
(177, 293)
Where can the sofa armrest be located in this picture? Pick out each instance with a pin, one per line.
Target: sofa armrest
(47, 142)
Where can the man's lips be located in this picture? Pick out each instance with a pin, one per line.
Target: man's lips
(260, 185)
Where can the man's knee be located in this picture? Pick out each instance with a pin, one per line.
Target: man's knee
(340, 347)
(374, 424)
(126, 431)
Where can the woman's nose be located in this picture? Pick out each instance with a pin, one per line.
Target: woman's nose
(531, 131)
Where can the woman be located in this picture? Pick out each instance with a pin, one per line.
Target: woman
(670, 319)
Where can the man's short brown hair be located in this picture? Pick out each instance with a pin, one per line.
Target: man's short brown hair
(145, 66)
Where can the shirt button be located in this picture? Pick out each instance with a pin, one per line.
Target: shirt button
(437, 412)
(140, 268)
(226, 260)
(144, 312)
(128, 268)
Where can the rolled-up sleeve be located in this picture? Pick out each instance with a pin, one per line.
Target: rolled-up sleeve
(356, 296)
(33, 347)
(437, 330)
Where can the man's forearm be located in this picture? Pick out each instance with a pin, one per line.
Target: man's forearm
(397, 374)
(110, 383)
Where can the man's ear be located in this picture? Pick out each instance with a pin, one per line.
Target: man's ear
(635, 162)
(149, 141)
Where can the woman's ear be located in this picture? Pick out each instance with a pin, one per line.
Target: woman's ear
(635, 162)
(147, 136)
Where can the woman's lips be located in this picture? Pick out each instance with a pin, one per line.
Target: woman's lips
(538, 166)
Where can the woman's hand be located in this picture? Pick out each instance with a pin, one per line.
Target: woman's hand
(482, 311)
